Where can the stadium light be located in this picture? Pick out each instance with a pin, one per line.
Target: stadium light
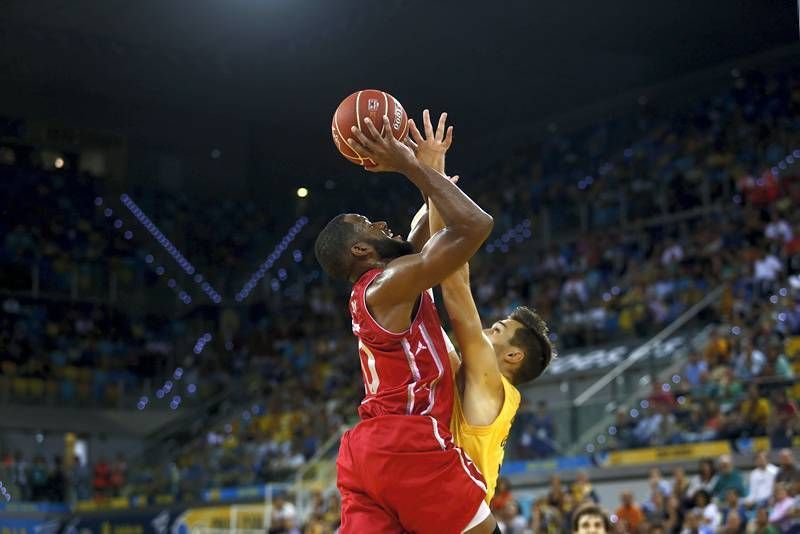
(302, 192)
(277, 252)
(164, 241)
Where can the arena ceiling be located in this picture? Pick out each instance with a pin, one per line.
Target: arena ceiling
(285, 64)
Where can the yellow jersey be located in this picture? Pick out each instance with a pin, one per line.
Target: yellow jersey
(486, 444)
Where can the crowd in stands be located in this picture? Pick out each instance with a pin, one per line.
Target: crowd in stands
(719, 499)
(289, 352)
(54, 480)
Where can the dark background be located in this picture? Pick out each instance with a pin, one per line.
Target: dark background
(259, 79)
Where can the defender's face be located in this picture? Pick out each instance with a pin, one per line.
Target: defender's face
(591, 524)
(500, 334)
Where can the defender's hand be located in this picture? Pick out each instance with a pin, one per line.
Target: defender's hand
(431, 148)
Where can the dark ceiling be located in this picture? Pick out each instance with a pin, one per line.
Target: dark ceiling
(285, 64)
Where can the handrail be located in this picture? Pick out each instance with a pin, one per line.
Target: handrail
(639, 353)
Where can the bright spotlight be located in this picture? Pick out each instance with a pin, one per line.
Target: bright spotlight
(302, 192)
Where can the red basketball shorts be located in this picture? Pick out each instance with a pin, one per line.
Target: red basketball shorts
(402, 473)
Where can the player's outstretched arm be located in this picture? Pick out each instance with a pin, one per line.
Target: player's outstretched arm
(479, 363)
(466, 225)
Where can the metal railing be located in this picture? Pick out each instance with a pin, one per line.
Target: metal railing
(588, 408)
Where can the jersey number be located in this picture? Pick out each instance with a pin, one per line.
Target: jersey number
(371, 380)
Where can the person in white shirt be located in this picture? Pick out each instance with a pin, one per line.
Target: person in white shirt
(711, 516)
(767, 268)
(704, 480)
(778, 229)
(673, 253)
(762, 481)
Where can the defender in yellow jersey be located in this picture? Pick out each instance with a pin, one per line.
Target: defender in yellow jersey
(513, 351)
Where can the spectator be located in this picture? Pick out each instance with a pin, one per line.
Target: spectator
(788, 472)
(705, 479)
(555, 494)
(502, 494)
(658, 427)
(693, 523)
(101, 481)
(733, 524)
(56, 482)
(119, 475)
(762, 481)
(284, 517)
(675, 514)
(673, 253)
(776, 363)
(38, 479)
(766, 270)
(544, 431)
(717, 349)
(81, 480)
(590, 519)
(710, 515)
(733, 505)
(784, 419)
(629, 514)
(749, 362)
(729, 478)
(696, 370)
(510, 520)
(582, 489)
(655, 508)
(19, 476)
(546, 518)
(760, 523)
(781, 513)
(778, 229)
(752, 417)
(680, 484)
(657, 482)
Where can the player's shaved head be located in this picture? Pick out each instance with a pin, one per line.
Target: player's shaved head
(332, 247)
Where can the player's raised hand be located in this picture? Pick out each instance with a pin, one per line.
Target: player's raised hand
(431, 147)
(437, 142)
(388, 154)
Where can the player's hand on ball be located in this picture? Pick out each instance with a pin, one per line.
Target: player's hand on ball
(388, 154)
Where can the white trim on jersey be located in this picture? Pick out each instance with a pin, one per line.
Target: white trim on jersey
(411, 394)
(461, 455)
(438, 436)
(439, 367)
(412, 361)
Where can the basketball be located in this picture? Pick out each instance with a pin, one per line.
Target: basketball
(355, 108)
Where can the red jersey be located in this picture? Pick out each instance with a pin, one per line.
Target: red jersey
(406, 373)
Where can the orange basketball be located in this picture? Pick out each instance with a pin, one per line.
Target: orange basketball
(360, 105)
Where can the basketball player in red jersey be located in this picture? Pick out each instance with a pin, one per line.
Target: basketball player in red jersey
(398, 469)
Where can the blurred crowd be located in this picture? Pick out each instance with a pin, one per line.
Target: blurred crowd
(38, 479)
(720, 498)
